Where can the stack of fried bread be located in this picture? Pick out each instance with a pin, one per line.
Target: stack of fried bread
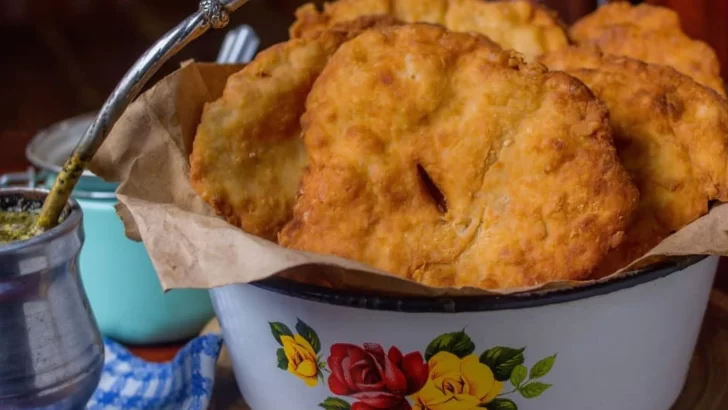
(470, 142)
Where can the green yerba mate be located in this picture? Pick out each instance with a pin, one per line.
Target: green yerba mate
(17, 225)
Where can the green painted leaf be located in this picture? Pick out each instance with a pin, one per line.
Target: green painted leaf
(518, 375)
(309, 334)
(282, 359)
(542, 367)
(533, 390)
(322, 366)
(334, 403)
(501, 404)
(457, 343)
(279, 329)
(502, 360)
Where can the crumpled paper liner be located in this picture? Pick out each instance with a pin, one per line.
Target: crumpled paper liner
(190, 247)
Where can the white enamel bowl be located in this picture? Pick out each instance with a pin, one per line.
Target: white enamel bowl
(623, 344)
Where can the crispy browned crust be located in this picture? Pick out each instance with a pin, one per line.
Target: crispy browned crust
(532, 189)
(309, 19)
(644, 16)
(247, 157)
(671, 134)
(651, 34)
(528, 28)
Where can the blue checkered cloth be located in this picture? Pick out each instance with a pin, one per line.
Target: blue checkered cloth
(185, 383)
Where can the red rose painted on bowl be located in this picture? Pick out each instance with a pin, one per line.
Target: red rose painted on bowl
(377, 380)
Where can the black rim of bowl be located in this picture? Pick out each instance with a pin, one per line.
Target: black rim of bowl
(457, 304)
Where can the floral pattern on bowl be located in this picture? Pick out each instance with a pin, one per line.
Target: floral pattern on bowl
(448, 376)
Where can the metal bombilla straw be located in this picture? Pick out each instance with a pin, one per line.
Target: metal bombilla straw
(211, 13)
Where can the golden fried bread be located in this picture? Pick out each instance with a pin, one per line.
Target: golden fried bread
(690, 57)
(671, 134)
(247, 156)
(651, 34)
(437, 157)
(528, 28)
(644, 16)
(309, 19)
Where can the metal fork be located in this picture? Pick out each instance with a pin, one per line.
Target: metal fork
(239, 46)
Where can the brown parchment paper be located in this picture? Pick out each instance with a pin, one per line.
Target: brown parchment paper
(147, 152)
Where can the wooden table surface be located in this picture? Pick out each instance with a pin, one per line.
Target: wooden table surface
(58, 65)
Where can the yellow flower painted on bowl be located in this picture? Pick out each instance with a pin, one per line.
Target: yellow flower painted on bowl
(301, 357)
(299, 352)
(456, 384)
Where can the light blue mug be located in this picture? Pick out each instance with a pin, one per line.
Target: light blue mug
(117, 273)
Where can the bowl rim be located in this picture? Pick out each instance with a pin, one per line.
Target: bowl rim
(485, 303)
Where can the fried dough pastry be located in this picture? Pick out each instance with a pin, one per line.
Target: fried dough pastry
(247, 157)
(440, 158)
(309, 19)
(644, 16)
(671, 134)
(651, 34)
(528, 28)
